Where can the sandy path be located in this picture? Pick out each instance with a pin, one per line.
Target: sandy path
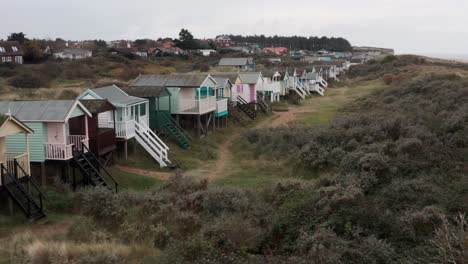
(220, 166)
(148, 173)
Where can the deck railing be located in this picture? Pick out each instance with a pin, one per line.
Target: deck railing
(22, 159)
(125, 129)
(59, 151)
(221, 105)
(79, 141)
(197, 106)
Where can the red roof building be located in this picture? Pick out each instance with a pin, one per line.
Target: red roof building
(10, 51)
(277, 51)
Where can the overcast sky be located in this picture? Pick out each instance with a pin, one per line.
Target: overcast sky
(408, 26)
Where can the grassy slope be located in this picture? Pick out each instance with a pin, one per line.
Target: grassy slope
(253, 172)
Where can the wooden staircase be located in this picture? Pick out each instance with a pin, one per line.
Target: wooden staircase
(22, 193)
(323, 83)
(236, 114)
(264, 105)
(248, 109)
(152, 144)
(293, 97)
(300, 89)
(175, 130)
(94, 173)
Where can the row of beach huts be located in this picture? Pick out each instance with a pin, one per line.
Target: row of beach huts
(76, 139)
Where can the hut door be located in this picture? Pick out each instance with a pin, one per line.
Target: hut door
(252, 93)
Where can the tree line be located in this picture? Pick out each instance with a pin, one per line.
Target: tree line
(295, 42)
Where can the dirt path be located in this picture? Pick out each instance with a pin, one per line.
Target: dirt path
(147, 173)
(220, 166)
(283, 118)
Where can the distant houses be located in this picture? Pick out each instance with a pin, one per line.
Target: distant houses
(11, 52)
(243, 64)
(223, 41)
(207, 52)
(129, 51)
(73, 54)
(278, 51)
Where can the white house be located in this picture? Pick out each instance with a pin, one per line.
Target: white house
(207, 52)
(73, 54)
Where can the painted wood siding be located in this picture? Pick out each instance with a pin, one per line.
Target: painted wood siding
(174, 100)
(16, 143)
(2, 150)
(77, 112)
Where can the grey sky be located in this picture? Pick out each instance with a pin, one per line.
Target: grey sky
(409, 26)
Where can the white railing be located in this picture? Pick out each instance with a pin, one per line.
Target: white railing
(23, 161)
(300, 89)
(221, 105)
(59, 151)
(125, 130)
(143, 120)
(274, 87)
(197, 106)
(79, 141)
(152, 144)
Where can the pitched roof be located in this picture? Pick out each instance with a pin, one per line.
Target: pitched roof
(169, 80)
(270, 73)
(45, 111)
(232, 76)
(8, 117)
(117, 96)
(222, 81)
(249, 77)
(96, 106)
(311, 76)
(235, 61)
(11, 48)
(76, 51)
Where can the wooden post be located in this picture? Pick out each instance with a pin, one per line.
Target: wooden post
(86, 127)
(74, 179)
(43, 174)
(68, 174)
(126, 149)
(198, 126)
(28, 168)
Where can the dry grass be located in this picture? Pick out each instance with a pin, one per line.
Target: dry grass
(157, 69)
(27, 247)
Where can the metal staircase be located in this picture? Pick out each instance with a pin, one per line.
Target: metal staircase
(248, 109)
(94, 172)
(152, 144)
(22, 193)
(174, 129)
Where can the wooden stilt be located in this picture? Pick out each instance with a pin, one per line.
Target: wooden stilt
(74, 179)
(43, 174)
(68, 171)
(198, 126)
(126, 149)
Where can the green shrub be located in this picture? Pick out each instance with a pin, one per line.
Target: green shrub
(29, 80)
(103, 206)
